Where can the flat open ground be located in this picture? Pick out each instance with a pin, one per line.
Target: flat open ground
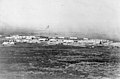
(33, 61)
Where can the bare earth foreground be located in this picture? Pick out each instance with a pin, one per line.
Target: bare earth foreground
(32, 61)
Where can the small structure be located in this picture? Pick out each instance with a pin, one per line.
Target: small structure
(8, 43)
(0, 35)
(116, 44)
(85, 38)
(34, 41)
(73, 38)
(68, 42)
(42, 39)
(61, 37)
(53, 42)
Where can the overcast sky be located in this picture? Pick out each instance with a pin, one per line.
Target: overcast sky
(86, 16)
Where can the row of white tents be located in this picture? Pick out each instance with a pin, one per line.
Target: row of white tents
(74, 41)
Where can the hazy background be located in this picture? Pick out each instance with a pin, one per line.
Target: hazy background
(93, 18)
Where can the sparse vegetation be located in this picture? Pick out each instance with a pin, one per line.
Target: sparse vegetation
(58, 62)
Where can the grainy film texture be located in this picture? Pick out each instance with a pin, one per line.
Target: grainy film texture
(59, 39)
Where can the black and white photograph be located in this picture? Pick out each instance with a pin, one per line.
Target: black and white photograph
(59, 39)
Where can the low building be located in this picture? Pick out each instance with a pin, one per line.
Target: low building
(8, 43)
(18, 40)
(42, 39)
(52, 42)
(85, 38)
(68, 42)
(61, 37)
(34, 41)
(73, 38)
(25, 41)
(0, 35)
(8, 37)
(116, 44)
